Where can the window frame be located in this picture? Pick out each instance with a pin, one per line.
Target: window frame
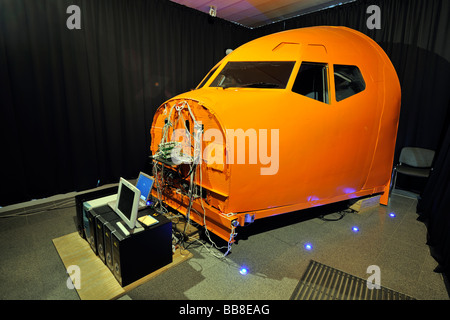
(208, 76)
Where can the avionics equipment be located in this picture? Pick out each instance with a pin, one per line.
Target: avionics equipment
(126, 206)
(292, 120)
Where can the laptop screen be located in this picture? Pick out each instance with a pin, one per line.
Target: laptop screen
(144, 184)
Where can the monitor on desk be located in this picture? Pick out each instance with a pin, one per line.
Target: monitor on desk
(127, 203)
(145, 184)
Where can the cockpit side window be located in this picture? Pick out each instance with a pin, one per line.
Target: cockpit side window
(348, 81)
(312, 81)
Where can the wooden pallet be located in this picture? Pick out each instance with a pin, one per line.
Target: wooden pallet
(96, 280)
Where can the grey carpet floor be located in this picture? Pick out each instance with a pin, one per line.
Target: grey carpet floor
(272, 249)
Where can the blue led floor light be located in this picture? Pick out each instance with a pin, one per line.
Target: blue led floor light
(243, 271)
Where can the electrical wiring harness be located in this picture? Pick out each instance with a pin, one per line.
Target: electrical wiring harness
(173, 153)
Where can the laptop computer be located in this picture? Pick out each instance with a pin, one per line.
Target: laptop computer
(144, 184)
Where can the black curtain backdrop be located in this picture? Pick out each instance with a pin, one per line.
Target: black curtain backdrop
(415, 36)
(77, 105)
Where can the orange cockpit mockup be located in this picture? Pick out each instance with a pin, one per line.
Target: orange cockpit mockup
(292, 120)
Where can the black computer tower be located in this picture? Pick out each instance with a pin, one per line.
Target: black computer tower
(139, 254)
(109, 229)
(92, 218)
(101, 221)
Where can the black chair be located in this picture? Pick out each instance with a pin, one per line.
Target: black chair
(416, 162)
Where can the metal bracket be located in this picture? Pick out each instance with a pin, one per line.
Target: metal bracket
(231, 214)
